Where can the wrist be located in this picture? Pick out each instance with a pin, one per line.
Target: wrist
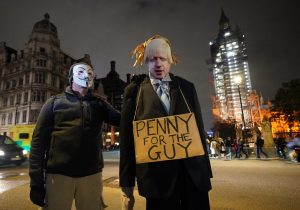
(127, 191)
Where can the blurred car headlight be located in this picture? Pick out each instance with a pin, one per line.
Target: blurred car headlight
(25, 152)
(2, 153)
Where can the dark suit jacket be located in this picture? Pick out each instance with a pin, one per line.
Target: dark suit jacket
(157, 180)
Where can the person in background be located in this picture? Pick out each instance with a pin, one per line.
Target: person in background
(228, 144)
(280, 146)
(208, 146)
(259, 147)
(240, 148)
(213, 148)
(294, 147)
(222, 147)
(166, 185)
(65, 163)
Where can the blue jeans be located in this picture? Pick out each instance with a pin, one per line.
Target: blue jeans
(229, 152)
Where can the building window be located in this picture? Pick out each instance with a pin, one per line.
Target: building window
(19, 96)
(25, 97)
(39, 77)
(17, 117)
(3, 119)
(4, 104)
(20, 81)
(7, 85)
(27, 79)
(39, 96)
(43, 96)
(11, 100)
(41, 63)
(34, 115)
(53, 81)
(9, 118)
(24, 116)
(36, 96)
(42, 50)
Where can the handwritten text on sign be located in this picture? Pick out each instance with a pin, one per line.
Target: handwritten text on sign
(167, 138)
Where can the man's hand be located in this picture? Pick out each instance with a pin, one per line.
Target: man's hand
(127, 198)
(37, 195)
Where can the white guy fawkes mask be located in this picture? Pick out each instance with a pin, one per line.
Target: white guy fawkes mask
(83, 75)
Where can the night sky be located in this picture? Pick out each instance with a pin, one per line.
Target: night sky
(109, 29)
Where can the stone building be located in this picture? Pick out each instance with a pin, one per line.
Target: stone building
(29, 77)
(112, 87)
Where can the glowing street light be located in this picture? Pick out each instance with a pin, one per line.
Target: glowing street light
(238, 81)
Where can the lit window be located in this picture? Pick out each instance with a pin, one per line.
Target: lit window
(227, 34)
(229, 54)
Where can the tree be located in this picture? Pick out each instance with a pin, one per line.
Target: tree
(287, 102)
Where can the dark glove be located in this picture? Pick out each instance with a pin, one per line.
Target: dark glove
(37, 195)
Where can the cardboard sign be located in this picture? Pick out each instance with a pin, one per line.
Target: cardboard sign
(167, 138)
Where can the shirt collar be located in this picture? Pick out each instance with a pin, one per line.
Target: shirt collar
(156, 81)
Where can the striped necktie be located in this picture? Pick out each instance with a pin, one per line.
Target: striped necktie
(163, 93)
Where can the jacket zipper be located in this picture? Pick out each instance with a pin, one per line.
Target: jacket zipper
(82, 114)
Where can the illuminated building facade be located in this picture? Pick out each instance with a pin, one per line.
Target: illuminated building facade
(228, 61)
(278, 121)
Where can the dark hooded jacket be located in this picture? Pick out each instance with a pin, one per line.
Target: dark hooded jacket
(67, 136)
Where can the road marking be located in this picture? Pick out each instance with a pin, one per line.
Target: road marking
(11, 174)
(7, 185)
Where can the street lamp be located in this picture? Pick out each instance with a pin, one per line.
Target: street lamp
(238, 81)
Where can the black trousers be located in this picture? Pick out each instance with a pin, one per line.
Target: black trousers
(185, 197)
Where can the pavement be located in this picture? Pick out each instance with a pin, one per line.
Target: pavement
(237, 185)
(112, 191)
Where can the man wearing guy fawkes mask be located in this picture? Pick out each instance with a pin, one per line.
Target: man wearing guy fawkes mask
(82, 75)
(65, 162)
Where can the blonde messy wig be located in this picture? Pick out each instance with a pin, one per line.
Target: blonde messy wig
(150, 47)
